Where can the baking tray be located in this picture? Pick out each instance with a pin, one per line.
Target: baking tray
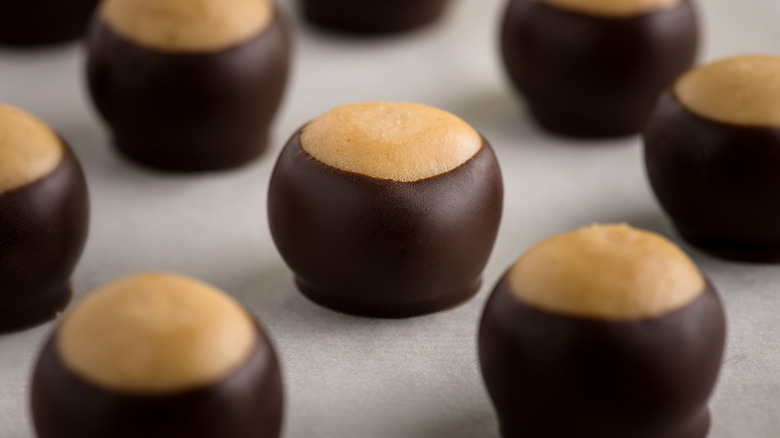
(351, 377)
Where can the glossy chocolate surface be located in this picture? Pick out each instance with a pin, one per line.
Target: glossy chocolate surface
(553, 375)
(246, 404)
(373, 17)
(718, 182)
(189, 111)
(44, 230)
(384, 248)
(588, 76)
(44, 22)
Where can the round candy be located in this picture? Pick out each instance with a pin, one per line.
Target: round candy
(710, 150)
(157, 355)
(373, 17)
(44, 216)
(26, 23)
(386, 209)
(606, 331)
(188, 85)
(594, 68)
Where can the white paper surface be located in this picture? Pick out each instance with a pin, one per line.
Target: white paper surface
(349, 377)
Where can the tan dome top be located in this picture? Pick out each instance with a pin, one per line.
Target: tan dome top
(613, 8)
(29, 150)
(610, 272)
(188, 25)
(156, 333)
(395, 141)
(743, 90)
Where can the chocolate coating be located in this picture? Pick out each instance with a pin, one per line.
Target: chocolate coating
(245, 404)
(557, 376)
(373, 17)
(592, 76)
(717, 181)
(44, 22)
(193, 111)
(44, 227)
(384, 248)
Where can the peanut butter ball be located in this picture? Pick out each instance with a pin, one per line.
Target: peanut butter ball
(595, 68)
(377, 17)
(158, 355)
(607, 331)
(710, 149)
(42, 23)
(188, 85)
(44, 217)
(386, 209)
